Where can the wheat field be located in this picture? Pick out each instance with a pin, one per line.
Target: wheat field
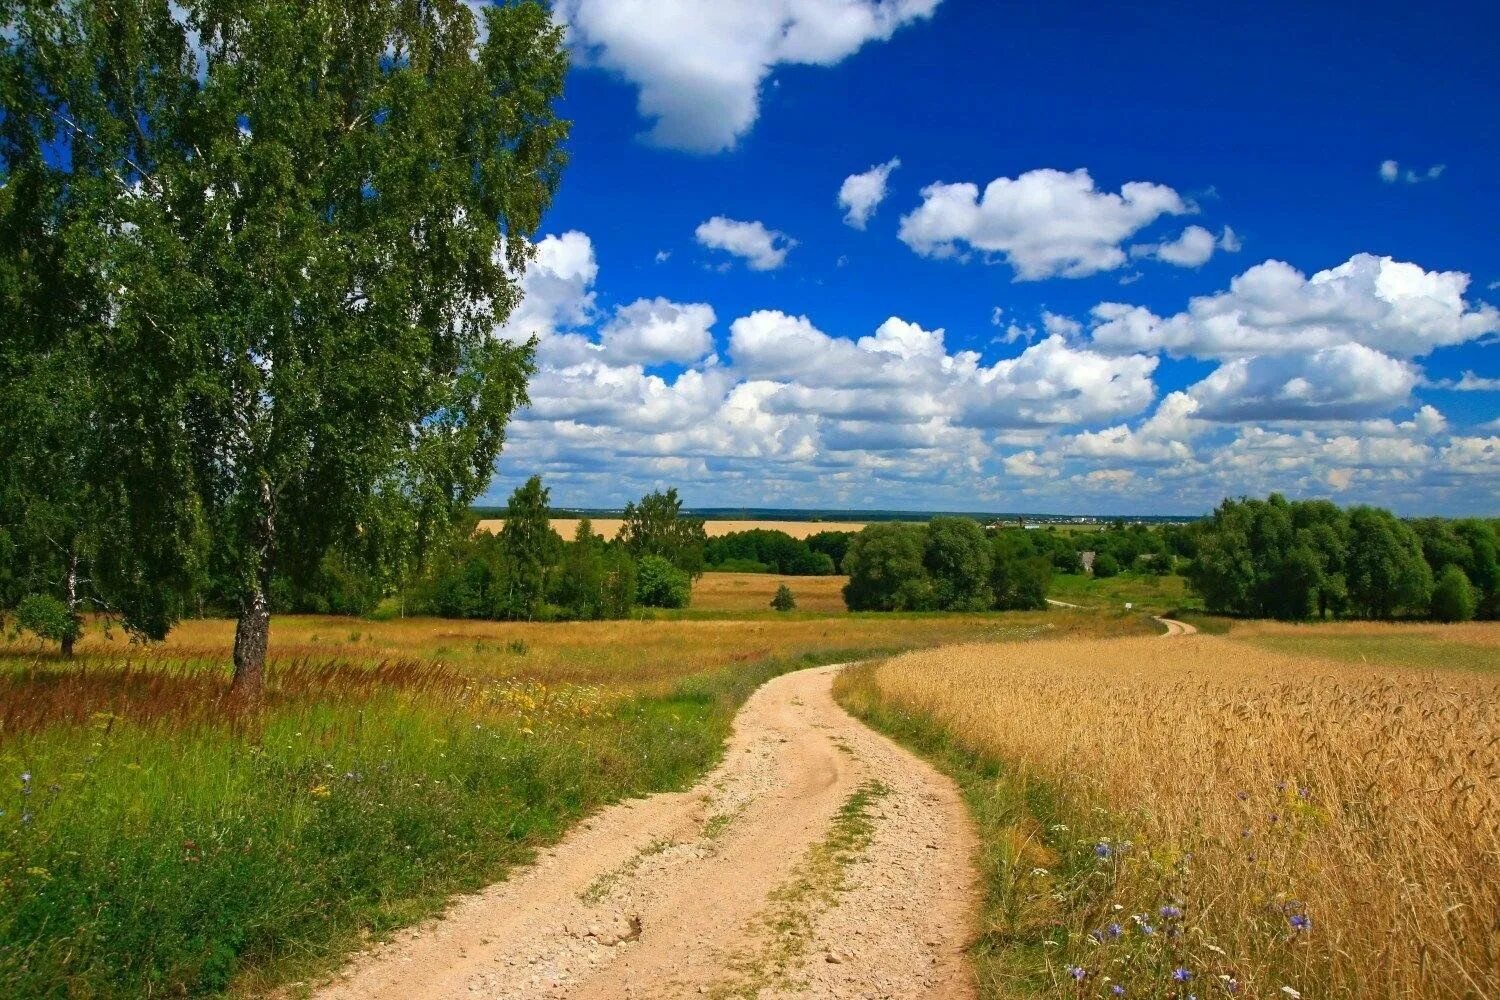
(1238, 820)
(609, 527)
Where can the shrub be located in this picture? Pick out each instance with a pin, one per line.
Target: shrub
(659, 584)
(1105, 565)
(886, 571)
(1453, 598)
(47, 618)
(784, 600)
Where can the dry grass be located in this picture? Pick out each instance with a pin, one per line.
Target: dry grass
(1251, 789)
(609, 527)
(753, 592)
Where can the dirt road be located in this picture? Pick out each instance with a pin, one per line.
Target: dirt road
(1176, 628)
(820, 859)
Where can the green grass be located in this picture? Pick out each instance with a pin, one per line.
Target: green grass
(1146, 592)
(1424, 651)
(175, 856)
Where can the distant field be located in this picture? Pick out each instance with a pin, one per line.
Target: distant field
(753, 592)
(1145, 592)
(1266, 822)
(609, 527)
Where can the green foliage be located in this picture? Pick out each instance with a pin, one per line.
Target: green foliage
(659, 584)
(957, 557)
(1106, 566)
(1385, 568)
(530, 546)
(657, 527)
(885, 569)
(283, 253)
(47, 618)
(773, 551)
(784, 600)
(594, 579)
(832, 544)
(1453, 597)
(1019, 578)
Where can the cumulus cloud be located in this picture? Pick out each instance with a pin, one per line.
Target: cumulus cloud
(1028, 465)
(1467, 382)
(556, 288)
(699, 66)
(1192, 249)
(654, 331)
(1394, 307)
(861, 194)
(1334, 383)
(1045, 223)
(761, 248)
(1390, 172)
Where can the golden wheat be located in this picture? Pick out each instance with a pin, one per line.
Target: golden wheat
(1329, 828)
(609, 527)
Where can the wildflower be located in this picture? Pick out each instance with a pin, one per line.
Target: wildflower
(1300, 921)
(320, 791)
(1171, 912)
(1291, 993)
(1147, 929)
(1181, 975)
(1117, 990)
(1102, 850)
(1076, 972)
(1114, 930)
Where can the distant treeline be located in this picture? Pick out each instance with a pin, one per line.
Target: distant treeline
(947, 564)
(1291, 559)
(766, 550)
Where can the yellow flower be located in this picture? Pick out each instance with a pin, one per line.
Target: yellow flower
(320, 791)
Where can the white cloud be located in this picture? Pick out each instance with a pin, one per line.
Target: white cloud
(1468, 382)
(662, 256)
(1390, 172)
(1028, 465)
(653, 331)
(1397, 308)
(699, 65)
(762, 249)
(1045, 223)
(557, 288)
(1192, 249)
(1333, 383)
(861, 194)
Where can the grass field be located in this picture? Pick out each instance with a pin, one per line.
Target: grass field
(155, 842)
(1145, 592)
(609, 527)
(1186, 816)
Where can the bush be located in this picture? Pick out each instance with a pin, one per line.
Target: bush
(1105, 566)
(659, 584)
(885, 568)
(1453, 598)
(784, 600)
(47, 618)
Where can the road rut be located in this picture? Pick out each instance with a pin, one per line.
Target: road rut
(734, 888)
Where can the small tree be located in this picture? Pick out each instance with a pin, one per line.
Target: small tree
(886, 570)
(531, 548)
(1106, 565)
(784, 599)
(1453, 598)
(659, 584)
(957, 558)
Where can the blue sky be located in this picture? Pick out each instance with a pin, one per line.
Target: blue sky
(1130, 260)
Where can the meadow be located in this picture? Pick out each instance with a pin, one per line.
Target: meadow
(155, 839)
(1221, 816)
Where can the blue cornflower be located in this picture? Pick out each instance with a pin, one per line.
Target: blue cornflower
(1300, 922)
(1114, 930)
(1103, 850)
(1147, 929)
(1171, 912)
(1181, 975)
(1117, 990)
(1076, 972)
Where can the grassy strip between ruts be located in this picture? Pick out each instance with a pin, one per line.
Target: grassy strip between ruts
(149, 858)
(1026, 845)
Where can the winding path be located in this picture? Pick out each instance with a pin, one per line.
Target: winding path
(749, 885)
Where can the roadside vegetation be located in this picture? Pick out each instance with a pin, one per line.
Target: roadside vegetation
(1206, 816)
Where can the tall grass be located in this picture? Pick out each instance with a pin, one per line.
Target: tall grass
(1199, 817)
